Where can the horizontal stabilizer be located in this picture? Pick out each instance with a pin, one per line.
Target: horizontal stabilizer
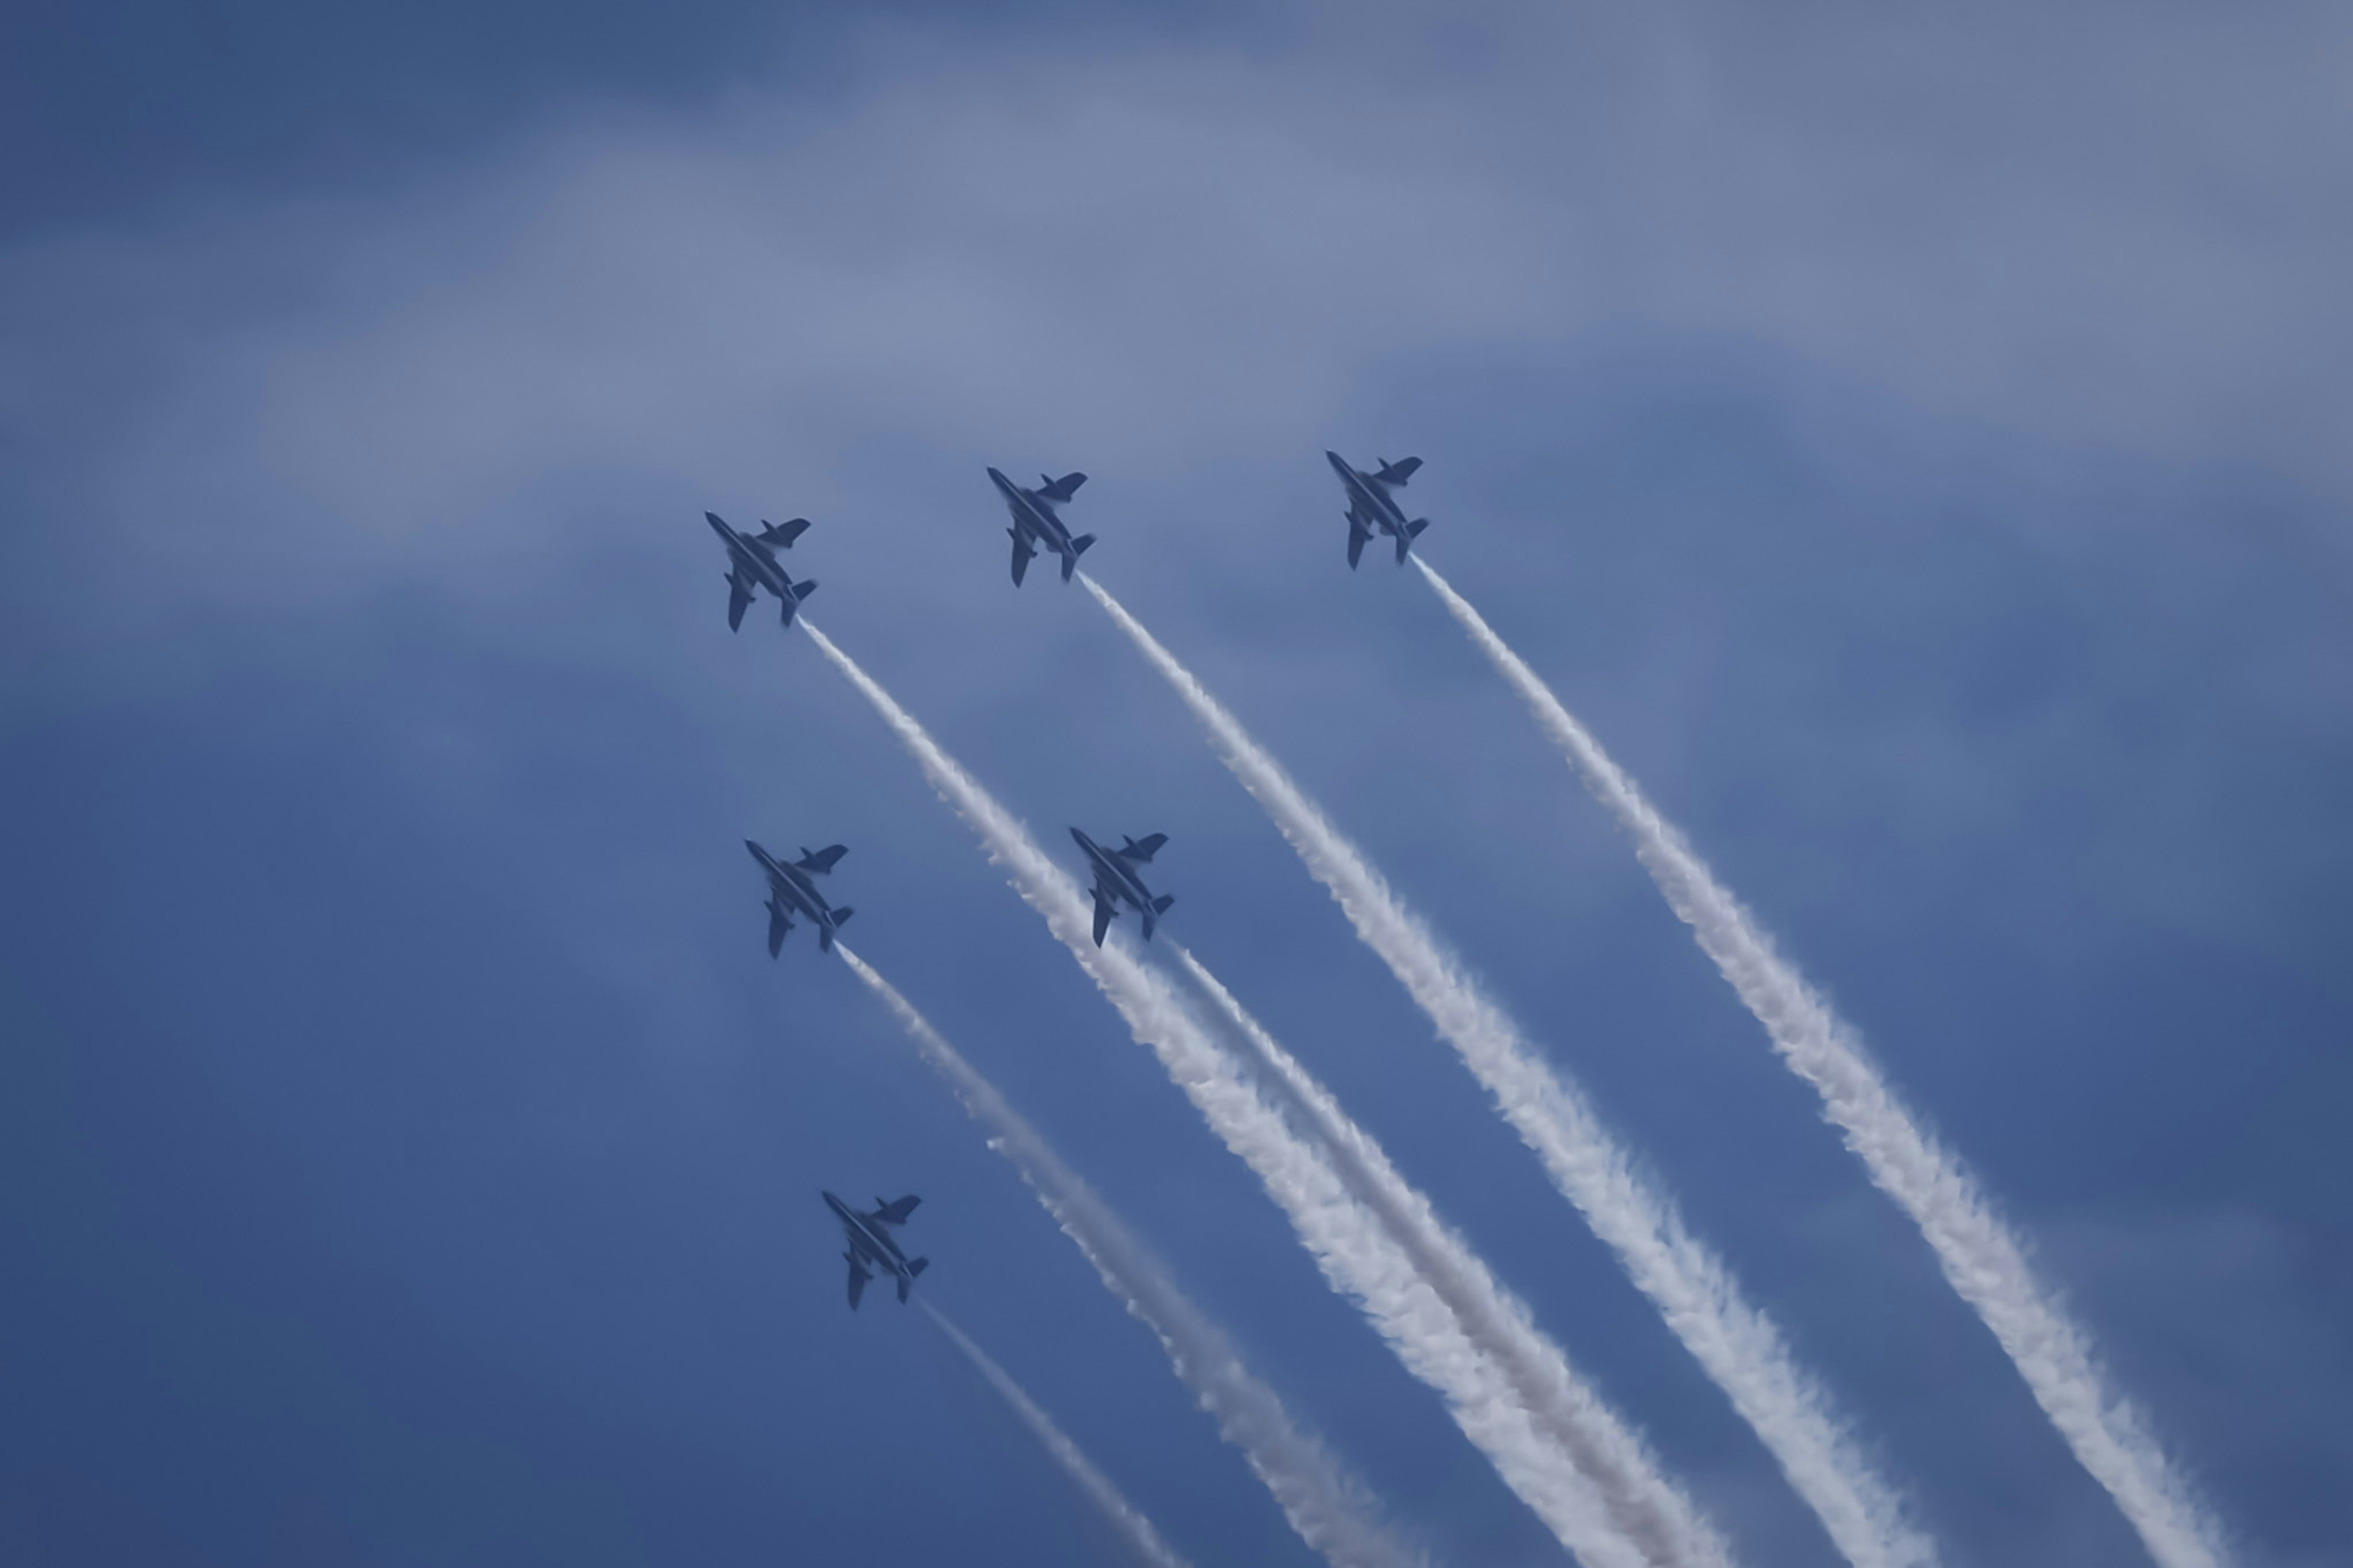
(1160, 905)
(803, 590)
(1141, 850)
(822, 860)
(1413, 530)
(896, 1213)
(1061, 490)
(918, 1265)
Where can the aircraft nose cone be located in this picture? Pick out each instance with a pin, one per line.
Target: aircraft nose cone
(1336, 460)
(1078, 838)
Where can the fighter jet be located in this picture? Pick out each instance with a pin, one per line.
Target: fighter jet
(791, 892)
(1116, 882)
(752, 563)
(1035, 526)
(870, 1239)
(1372, 506)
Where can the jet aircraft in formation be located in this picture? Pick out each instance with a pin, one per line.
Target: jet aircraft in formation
(1117, 882)
(871, 1247)
(1035, 526)
(1372, 507)
(752, 563)
(791, 891)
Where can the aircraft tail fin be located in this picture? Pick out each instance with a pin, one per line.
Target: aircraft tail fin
(837, 918)
(1078, 548)
(906, 1283)
(778, 926)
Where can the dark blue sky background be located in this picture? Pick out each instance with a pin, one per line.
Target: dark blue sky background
(1913, 446)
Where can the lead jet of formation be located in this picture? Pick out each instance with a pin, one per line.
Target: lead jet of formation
(1373, 509)
(791, 891)
(872, 1249)
(1035, 526)
(752, 563)
(1117, 882)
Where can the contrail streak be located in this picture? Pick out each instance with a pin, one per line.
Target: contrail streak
(1491, 1315)
(1329, 1509)
(1354, 1253)
(1985, 1262)
(1737, 1344)
(1133, 1527)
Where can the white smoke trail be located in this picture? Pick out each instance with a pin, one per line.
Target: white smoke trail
(1133, 1527)
(1356, 1254)
(1329, 1509)
(1493, 1317)
(1985, 1262)
(1734, 1343)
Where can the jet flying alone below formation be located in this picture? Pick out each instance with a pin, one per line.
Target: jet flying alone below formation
(752, 563)
(792, 892)
(1035, 526)
(1373, 509)
(1117, 883)
(871, 1247)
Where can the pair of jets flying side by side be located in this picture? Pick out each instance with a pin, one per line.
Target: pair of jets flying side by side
(1373, 510)
(791, 887)
(752, 562)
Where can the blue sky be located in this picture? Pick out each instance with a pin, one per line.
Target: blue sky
(1913, 444)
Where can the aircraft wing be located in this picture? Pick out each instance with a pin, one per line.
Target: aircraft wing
(739, 595)
(1102, 915)
(897, 1213)
(858, 1279)
(1140, 850)
(1022, 556)
(822, 860)
(783, 534)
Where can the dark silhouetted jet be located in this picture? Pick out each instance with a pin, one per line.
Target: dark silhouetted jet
(1372, 507)
(752, 563)
(871, 1249)
(1116, 882)
(1035, 526)
(791, 892)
